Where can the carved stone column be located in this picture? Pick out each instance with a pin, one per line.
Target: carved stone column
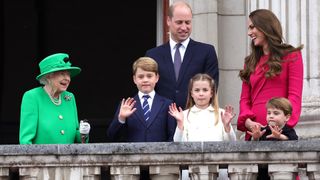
(57, 173)
(4, 173)
(91, 173)
(164, 172)
(125, 172)
(313, 171)
(203, 172)
(29, 173)
(243, 171)
(282, 171)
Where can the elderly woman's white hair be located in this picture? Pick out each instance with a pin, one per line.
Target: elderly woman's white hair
(44, 79)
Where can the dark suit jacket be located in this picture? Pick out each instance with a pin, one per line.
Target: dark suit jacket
(159, 128)
(198, 58)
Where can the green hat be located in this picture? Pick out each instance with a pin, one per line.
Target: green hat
(57, 62)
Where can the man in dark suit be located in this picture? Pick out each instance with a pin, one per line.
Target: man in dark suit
(145, 117)
(195, 57)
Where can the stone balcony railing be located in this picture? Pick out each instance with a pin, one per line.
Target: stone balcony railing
(164, 161)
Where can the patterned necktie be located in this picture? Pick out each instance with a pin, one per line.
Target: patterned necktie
(177, 61)
(146, 107)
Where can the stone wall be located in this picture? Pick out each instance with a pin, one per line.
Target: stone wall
(163, 160)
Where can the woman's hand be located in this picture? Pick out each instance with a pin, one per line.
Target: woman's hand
(250, 124)
(84, 129)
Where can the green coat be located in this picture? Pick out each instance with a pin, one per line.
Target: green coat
(42, 122)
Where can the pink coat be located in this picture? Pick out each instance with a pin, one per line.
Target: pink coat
(288, 83)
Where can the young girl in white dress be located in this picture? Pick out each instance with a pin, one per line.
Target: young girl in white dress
(203, 120)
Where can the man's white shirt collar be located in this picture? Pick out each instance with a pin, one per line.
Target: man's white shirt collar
(184, 43)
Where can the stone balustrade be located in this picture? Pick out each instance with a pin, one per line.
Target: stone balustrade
(163, 161)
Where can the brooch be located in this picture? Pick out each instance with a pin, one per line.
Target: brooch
(67, 97)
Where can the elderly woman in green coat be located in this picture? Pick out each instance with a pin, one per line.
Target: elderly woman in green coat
(49, 113)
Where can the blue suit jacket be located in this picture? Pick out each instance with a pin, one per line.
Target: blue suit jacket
(159, 128)
(199, 58)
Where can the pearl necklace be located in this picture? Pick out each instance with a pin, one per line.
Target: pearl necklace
(54, 100)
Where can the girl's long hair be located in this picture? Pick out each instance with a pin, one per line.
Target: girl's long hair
(213, 100)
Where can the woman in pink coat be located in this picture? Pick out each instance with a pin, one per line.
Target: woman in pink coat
(273, 69)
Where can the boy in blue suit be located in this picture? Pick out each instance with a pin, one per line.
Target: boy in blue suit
(144, 121)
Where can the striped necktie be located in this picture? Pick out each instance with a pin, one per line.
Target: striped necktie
(146, 107)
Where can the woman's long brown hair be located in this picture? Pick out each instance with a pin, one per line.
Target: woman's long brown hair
(265, 21)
